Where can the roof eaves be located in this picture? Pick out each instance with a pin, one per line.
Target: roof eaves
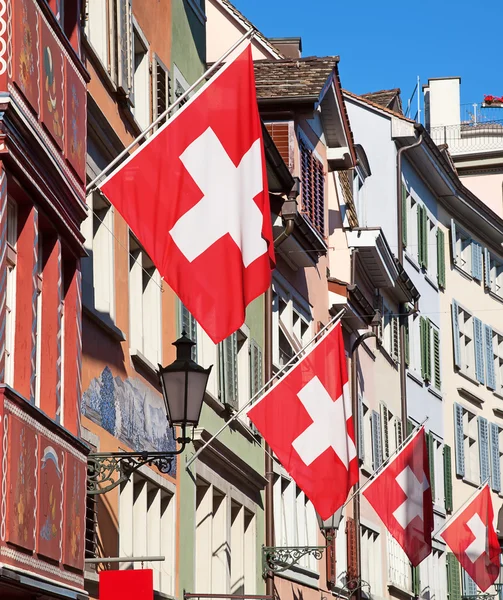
(377, 107)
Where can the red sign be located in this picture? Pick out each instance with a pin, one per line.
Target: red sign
(127, 585)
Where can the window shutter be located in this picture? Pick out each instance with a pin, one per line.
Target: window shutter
(488, 342)
(124, 46)
(256, 381)
(479, 350)
(313, 188)
(422, 343)
(385, 431)
(427, 340)
(424, 230)
(407, 343)
(453, 242)
(410, 427)
(459, 438)
(483, 449)
(404, 215)
(455, 334)
(352, 558)
(376, 440)
(487, 268)
(453, 577)
(229, 376)
(395, 350)
(280, 133)
(420, 235)
(469, 586)
(161, 90)
(495, 458)
(361, 430)
(437, 378)
(398, 433)
(187, 323)
(416, 581)
(430, 444)
(448, 478)
(476, 260)
(440, 258)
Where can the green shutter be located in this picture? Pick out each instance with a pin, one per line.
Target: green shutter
(441, 258)
(437, 380)
(430, 442)
(422, 343)
(407, 344)
(448, 478)
(229, 371)
(385, 431)
(425, 237)
(404, 214)
(410, 427)
(453, 577)
(420, 234)
(427, 339)
(416, 582)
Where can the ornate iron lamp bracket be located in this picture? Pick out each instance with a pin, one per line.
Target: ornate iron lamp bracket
(280, 558)
(352, 585)
(107, 470)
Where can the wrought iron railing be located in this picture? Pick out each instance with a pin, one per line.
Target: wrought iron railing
(470, 138)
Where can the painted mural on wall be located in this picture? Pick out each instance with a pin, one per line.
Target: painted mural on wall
(52, 85)
(25, 50)
(130, 411)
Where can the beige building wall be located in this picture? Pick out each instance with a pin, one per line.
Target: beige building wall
(489, 188)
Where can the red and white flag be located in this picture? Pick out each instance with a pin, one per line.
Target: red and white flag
(306, 420)
(195, 195)
(401, 496)
(472, 538)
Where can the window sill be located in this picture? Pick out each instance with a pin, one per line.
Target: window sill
(469, 377)
(105, 322)
(142, 361)
(399, 590)
(439, 510)
(495, 295)
(197, 10)
(415, 378)
(388, 356)
(431, 282)
(413, 262)
(465, 274)
(498, 395)
(366, 470)
(435, 392)
(470, 482)
(301, 575)
(470, 396)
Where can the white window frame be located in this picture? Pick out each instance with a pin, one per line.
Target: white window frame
(498, 361)
(10, 292)
(145, 306)
(140, 77)
(180, 85)
(463, 258)
(431, 239)
(471, 446)
(466, 341)
(389, 342)
(371, 568)
(496, 276)
(412, 247)
(98, 31)
(38, 338)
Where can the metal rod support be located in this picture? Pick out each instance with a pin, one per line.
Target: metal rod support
(120, 559)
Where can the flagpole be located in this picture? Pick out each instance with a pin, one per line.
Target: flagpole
(385, 463)
(264, 387)
(461, 508)
(91, 186)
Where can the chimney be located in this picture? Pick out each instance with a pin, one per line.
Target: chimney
(290, 47)
(442, 102)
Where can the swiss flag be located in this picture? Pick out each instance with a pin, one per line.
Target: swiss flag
(195, 195)
(401, 496)
(472, 538)
(306, 420)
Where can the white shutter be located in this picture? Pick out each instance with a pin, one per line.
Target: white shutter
(495, 458)
(487, 269)
(124, 46)
(453, 242)
(479, 350)
(483, 449)
(229, 370)
(385, 431)
(455, 334)
(376, 440)
(476, 260)
(488, 343)
(459, 438)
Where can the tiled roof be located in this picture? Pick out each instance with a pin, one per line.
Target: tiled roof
(293, 77)
(384, 97)
(245, 21)
(378, 106)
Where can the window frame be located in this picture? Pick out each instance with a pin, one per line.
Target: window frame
(11, 292)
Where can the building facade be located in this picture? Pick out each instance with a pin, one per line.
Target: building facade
(42, 204)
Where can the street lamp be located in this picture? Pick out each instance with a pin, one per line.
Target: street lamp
(183, 385)
(329, 526)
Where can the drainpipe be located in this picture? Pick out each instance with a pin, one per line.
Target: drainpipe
(402, 319)
(288, 211)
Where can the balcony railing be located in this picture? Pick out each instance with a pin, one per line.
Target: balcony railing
(470, 137)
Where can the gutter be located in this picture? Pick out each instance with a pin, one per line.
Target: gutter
(403, 319)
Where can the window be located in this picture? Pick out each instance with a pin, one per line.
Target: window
(228, 362)
(493, 269)
(431, 247)
(494, 359)
(377, 457)
(161, 89)
(359, 197)
(98, 277)
(453, 577)
(97, 29)
(422, 236)
(292, 323)
(294, 519)
(147, 528)
(466, 253)
(187, 323)
(430, 352)
(313, 186)
(468, 343)
(389, 334)
(469, 586)
(469, 457)
(38, 339)
(225, 542)
(410, 226)
(440, 258)
(371, 568)
(436, 464)
(365, 440)
(140, 95)
(496, 451)
(10, 301)
(391, 432)
(144, 305)
(181, 85)
(433, 581)
(400, 573)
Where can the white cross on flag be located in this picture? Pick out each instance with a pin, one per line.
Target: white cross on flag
(306, 419)
(401, 496)
(472, 538)
(195, 195)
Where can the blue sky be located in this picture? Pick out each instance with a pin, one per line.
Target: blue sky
(384, 45)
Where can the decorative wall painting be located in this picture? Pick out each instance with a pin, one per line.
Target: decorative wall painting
(52, 82)
(50, 512)
(25, 51)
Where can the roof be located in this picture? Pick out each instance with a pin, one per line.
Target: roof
(393, 113)
(386, 98)
(293, 77)
(249, 24)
